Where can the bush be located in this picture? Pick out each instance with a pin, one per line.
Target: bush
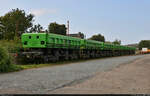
(12, 46)
(6, 61)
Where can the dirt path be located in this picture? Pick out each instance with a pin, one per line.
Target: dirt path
(127, 78)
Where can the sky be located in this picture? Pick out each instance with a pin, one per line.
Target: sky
(126, 20)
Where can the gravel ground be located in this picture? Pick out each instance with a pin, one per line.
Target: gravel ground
(47, 79)
(131, 78)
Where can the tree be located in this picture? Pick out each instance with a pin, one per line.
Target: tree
(108, 42)
(36, 29)
(81, 35)
(16, 22)
(57, 28)
(144, 44)
(117, 42)
(98, 37)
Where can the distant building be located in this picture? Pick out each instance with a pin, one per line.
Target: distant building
(108, 42)
(42, 31)
(133, 45)
(78, 35)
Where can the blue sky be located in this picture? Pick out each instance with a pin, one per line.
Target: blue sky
(127, 20)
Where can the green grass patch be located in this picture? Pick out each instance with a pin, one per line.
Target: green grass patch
(13, 68)
(59, 63)
(30, 66)
(35, 66)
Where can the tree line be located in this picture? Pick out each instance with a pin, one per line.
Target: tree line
(144, 44)
(16, 22)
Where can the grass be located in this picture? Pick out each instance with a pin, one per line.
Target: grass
(31, 66)
(14, 67)
(34, 66)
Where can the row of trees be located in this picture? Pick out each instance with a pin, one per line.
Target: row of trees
(101, 38)
(16, 22)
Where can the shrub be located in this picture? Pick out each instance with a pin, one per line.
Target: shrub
(6, 61)
(11, 45)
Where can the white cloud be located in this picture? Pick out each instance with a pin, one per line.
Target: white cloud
(40, 12)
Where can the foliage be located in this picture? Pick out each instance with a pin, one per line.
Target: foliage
(36, 29)
(6, 62)
(98, 37)
(81, 35)
(57, 28)
(144, 44)
(35, 66)
(117, 42)
(15, 23)
(11, 46)
(108, 42)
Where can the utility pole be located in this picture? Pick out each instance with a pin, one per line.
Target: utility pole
(68, 27)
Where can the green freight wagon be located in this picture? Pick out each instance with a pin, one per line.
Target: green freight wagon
(53, 47)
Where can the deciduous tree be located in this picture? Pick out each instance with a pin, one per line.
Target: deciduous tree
(57, 28)
(36, 29)
(98, 37)
(144, 44)
(16, 22)
(117, 42)
(81, 35)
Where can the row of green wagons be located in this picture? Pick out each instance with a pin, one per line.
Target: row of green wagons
(44, 40)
